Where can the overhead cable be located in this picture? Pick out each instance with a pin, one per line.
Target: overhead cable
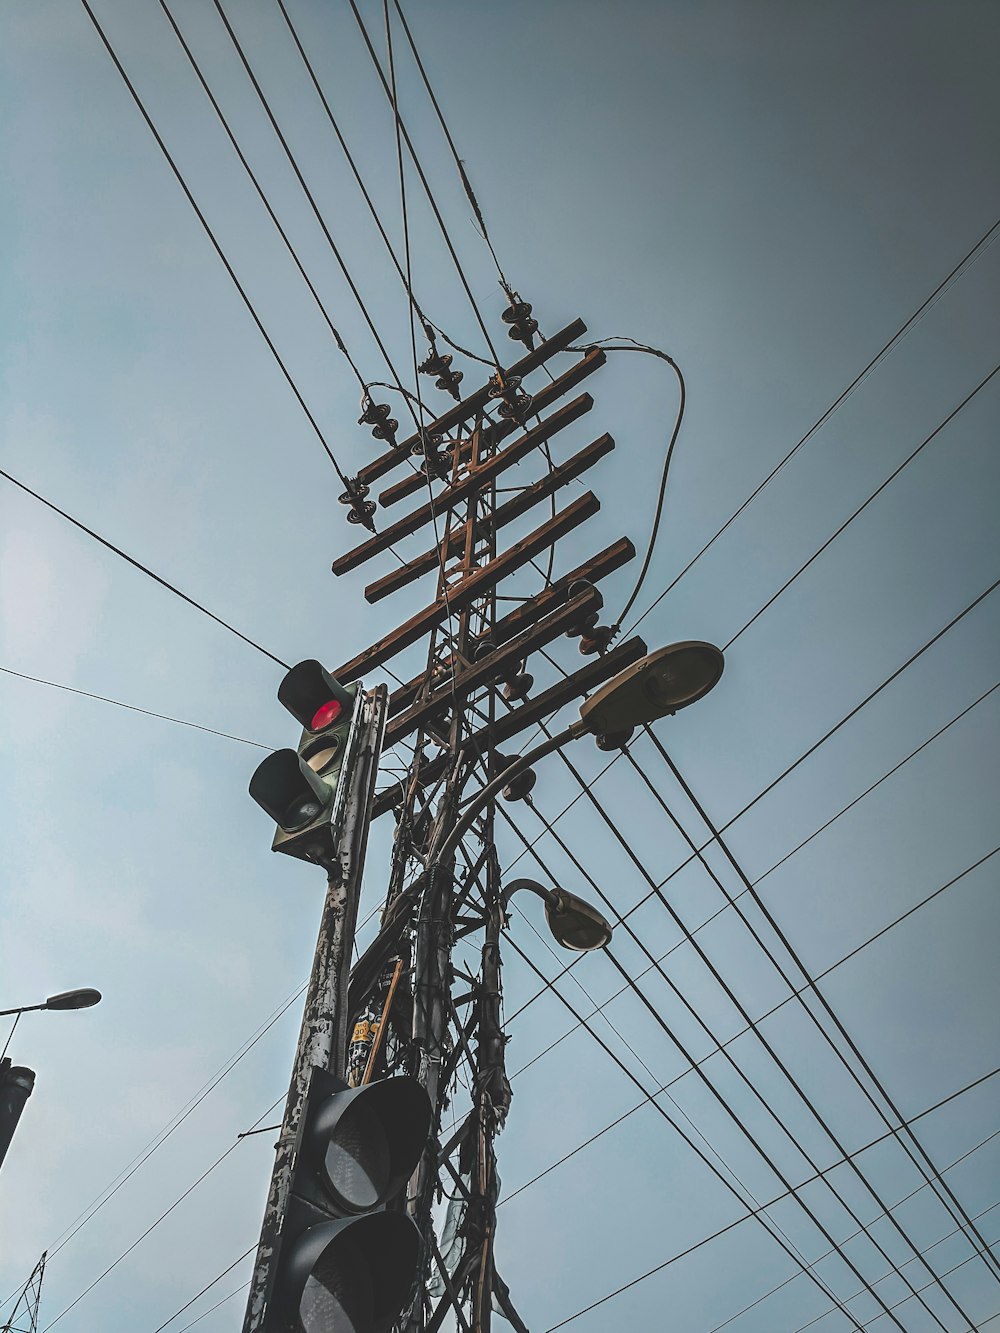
(137, 564)
(132, 708)
(862, 507)
(165, 1214)
(971, 256)
(293, 163)
(218, 1278)
(962, 1215)
(758, 1213)
(215, 243)
(720, 1047)
(293, 253)
(463, 174)
(427, 189)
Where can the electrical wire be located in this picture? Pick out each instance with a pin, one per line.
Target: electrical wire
(165, 1214)
(427, 189)
(463, 174)
(162, 1135)
(731, 1226)
(260, 192)
(696, 1065)
(215, 242)
(132, 708)
(862, 507)
(758, 1214)
(815, 833)
(993, 1265)
(971, 256)
(218, 1278)
(137, 564)
(306, 191)
(243, 1287)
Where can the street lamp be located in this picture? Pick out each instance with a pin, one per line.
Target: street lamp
(83, 998)
(656, 686)
(574, 924)
(17, 1081)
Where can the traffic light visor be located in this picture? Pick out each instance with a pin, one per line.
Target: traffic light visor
(369, 1140)
(289, 791)
(352, 1275)
(313, 697)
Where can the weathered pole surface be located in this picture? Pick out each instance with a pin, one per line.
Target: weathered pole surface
(322, 1035)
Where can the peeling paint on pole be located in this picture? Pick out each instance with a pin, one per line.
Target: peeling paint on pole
(322, 1035)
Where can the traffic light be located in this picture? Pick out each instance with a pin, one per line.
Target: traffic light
(346, 1264)
(298, 788)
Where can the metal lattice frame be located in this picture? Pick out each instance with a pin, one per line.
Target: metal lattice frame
(24, 1316)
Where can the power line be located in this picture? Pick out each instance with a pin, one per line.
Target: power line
(862, 507)
(166, 1213)
(793, 954)
(260, 190)
(755, 1212)
(137, 564)
(788, 999)
(953, 1269)
(132, 708)
(696, 1065)
(427, 189)
(208, 1287)
(463, 174)
(215, 243)
(980, 247)
(306, 191)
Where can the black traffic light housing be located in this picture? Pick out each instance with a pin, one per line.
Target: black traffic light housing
(344, 1265)
(298, 788)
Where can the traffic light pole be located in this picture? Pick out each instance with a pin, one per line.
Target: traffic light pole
(323, 1033)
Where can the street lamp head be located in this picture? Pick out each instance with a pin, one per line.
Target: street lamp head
(655, 686)
(74, 999)
(574, 924)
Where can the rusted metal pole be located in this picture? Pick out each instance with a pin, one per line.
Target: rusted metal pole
(323, 1033)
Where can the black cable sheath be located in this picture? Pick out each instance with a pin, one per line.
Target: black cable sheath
(137, 564)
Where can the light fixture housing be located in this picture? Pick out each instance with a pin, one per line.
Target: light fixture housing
(83, 998)
(576, 924)
(656, 686)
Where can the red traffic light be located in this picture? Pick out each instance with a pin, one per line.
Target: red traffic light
(326, 714)
(313, 697)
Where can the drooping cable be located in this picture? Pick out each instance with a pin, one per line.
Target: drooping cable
(215, 242)
(460, 165)
(815, 833)
(814, 990)
(293, 253)
(132, 708)
(731, 1226)
(720, 1047)
(863, 506)
(427, 189)
(759, 1214)
(165, 1214)
(970, 257)
(137, 564)
(300, 177)
(208, 1287)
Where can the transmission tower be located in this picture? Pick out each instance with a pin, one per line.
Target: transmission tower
(412, 1007)
(24, 1316)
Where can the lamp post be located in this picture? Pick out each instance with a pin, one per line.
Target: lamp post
(17, 1081)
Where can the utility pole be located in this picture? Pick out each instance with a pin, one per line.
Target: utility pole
(473, 697)
(24, 1316)
(322, 1035)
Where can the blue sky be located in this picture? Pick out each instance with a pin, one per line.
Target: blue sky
(767, 191)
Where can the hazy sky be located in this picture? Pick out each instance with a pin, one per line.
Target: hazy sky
(766, 190)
